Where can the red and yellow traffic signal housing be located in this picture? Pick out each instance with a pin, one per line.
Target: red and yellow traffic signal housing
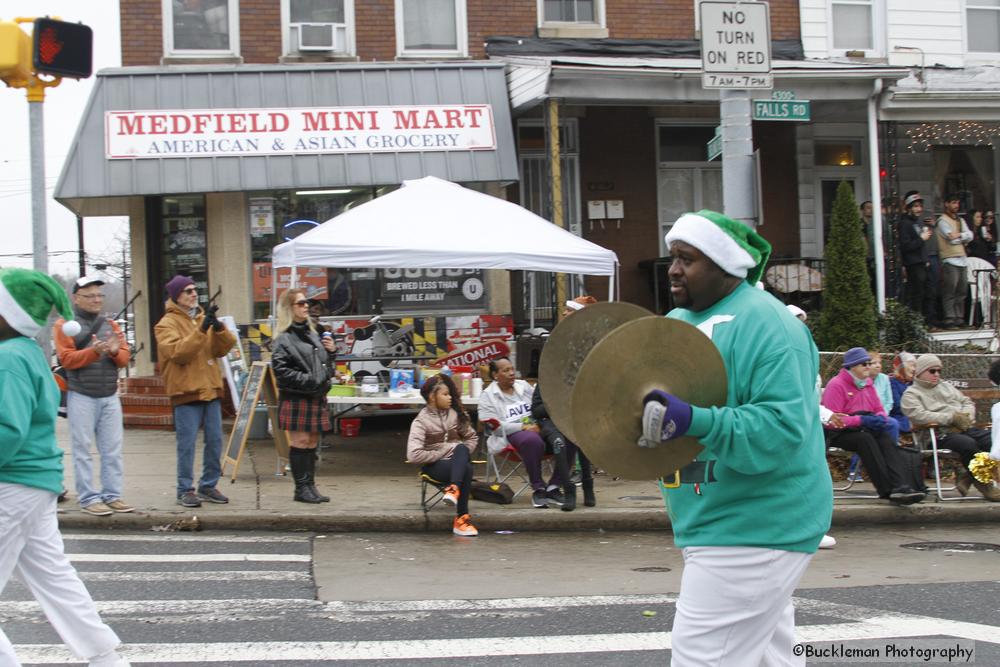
(55, 48)
(61, 48)
(15, 55)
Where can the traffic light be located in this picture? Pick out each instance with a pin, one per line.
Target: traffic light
(15, 53)
(61, 48)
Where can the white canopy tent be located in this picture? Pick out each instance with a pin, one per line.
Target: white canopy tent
(430, 223)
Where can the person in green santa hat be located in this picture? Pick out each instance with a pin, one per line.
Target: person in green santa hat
(751, 510)
(31, 472)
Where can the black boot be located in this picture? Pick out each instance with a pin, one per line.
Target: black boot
(569, 497)
(589, 499)
(312, 474)
(301, 461)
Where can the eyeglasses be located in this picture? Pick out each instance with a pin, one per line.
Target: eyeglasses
(934, 371)
(91, 297)
(190, 290)
(301, 302)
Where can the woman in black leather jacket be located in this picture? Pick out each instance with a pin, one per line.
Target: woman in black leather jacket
(303, 366)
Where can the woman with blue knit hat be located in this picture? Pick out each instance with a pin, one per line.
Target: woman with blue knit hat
(869, 432)
(763, 500)
(31, 472)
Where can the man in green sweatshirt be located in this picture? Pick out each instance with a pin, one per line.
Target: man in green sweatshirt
(31, 472)
(752, 509)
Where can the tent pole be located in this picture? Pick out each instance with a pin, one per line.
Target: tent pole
(531, 299)
(272, 318)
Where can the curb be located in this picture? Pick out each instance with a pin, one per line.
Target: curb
(514, 520)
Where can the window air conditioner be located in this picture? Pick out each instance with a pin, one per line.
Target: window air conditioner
(317, 36)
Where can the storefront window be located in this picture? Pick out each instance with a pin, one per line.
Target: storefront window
(182, 241)
(276, 217)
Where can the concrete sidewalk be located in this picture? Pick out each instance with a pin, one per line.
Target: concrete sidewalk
(373, 489)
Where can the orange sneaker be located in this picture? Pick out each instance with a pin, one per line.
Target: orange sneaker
(451, 494)
(463, 526)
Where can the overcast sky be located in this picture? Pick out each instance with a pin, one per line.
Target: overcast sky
(63, 107)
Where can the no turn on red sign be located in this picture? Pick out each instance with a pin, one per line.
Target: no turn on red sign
(735, 44)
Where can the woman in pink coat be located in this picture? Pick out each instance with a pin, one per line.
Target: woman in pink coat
(870, 433)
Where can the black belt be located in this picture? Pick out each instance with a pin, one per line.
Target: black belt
(697, 472)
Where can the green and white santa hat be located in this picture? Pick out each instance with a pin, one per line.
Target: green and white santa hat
(735, 247)
(26, 299)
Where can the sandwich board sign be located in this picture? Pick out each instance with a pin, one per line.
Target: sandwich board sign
(260, 386)
(735, 45)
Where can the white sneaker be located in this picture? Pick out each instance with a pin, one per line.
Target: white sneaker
(110, 659)
(828, 542)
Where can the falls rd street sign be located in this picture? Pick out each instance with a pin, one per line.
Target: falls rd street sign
(714, 145)
(735, 44)
(799, 110)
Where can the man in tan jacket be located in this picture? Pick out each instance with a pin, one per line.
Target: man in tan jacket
(931, 401)
(190, 341)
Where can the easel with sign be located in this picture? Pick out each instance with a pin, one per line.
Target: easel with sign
(260, 386)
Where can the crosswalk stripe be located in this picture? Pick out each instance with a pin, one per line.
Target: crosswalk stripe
(505, 603)
(213, 576)
(136, 608)
(168, 537)
(876, 628)
(189, 558)
(370, 650)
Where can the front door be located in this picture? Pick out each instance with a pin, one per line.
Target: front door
(827, 186)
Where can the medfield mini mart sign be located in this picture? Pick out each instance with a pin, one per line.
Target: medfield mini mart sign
(735, 44)
(297, 131)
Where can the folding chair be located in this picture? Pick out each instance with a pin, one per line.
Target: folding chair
(429, 498)
(852, 478)
(432, 490)
(936, 455)
(507, 463)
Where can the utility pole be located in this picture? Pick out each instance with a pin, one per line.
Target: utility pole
(82, 259)
(735, 58)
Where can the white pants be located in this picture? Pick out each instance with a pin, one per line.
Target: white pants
(30, 541)
(735, 608)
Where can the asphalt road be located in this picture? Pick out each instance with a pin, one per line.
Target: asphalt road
(513, 598)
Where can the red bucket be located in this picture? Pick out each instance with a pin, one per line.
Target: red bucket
(349, 428)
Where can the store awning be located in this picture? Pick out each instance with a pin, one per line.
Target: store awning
(945, 94)
(651, 81)
(226, 128)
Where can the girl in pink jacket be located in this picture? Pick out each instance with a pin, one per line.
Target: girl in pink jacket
(442, 441)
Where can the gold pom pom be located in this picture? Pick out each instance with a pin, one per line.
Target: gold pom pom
(982, 467)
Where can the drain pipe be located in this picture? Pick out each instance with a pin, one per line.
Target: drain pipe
(876, 190)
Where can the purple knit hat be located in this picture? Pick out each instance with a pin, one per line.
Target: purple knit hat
(177, 284)
(855, 356)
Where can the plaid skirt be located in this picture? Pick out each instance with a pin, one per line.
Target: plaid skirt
(298, 413)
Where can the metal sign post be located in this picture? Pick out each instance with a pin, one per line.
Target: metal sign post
(736, 57)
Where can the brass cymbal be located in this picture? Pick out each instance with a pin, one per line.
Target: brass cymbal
(567, 347)
(637, 357)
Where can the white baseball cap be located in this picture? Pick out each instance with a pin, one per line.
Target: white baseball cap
(86, 281)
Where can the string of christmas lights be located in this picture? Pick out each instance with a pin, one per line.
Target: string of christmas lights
(925, 136)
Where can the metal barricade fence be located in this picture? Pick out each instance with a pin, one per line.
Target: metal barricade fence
(967, 371)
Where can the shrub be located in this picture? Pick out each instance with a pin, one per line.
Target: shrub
(902, 329)
(849, 317)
